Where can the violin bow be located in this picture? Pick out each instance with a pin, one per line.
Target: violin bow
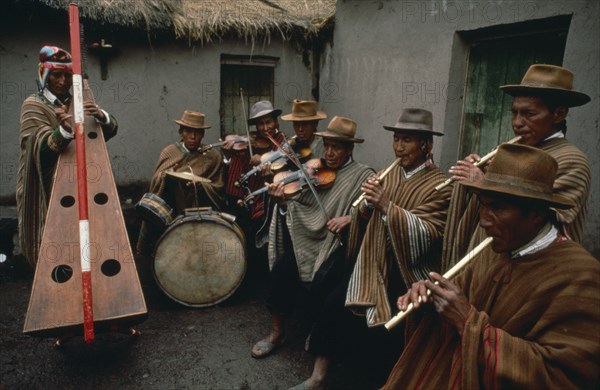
(245, 116)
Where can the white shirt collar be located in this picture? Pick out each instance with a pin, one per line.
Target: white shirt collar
(50, 96)
(557, 135)
(545, 237)
(418, 169)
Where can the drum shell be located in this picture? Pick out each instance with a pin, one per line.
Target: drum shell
(200, 261)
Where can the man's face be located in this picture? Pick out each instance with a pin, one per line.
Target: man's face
(336, 153)
(266, 124)
(408, 148)
(533, 120)
(190, 137)
(59, 83)
(305, 129)
(506, 223)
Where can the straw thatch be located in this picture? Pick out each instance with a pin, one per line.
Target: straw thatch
(209, 20)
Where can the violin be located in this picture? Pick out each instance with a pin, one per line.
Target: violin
(278, 161)
(303, 151)
(294, 181)
(240, 142)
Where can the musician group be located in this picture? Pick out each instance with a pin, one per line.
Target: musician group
(358, 246)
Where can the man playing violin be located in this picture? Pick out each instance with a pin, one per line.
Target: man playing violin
(305, 118)
(307, 237)
(539, 110)
(523, 313)
(185, 156)
(264, 117)
(254, 218)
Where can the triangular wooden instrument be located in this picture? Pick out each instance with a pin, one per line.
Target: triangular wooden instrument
(55, 306)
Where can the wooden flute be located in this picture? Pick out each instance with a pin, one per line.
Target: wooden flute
(383, 174)
(481, 162)
(451, 272)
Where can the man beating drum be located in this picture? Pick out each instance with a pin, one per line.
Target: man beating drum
(185, 177)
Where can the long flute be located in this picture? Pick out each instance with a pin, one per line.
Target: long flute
(383, 174)
(481, 162)
(451, 272)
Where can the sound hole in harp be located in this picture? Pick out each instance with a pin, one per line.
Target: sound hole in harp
(92, 135)
(61, 273)
(67, 201)
(110, 267)
(101, 198)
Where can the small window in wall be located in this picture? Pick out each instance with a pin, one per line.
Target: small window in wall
(500, 58)
(255, 77)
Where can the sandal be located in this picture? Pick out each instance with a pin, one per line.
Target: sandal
(264, 348)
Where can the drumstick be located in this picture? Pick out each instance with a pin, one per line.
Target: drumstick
(451, 272)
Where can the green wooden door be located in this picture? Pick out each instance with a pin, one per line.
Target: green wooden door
(492, 63)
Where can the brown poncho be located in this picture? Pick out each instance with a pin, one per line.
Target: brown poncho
(411, 237)
(41, 144)
(313, 242)
(572, 181)
(176, 193)
(533, 324)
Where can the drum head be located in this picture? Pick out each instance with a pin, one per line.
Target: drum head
(200, 262)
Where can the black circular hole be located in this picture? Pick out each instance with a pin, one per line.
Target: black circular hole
(61, 273)
(67, 201)
(92, 135)
(110, 267)
(101, 198)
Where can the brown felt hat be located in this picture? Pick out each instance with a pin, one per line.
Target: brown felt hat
(192, 119)
(414, 120)
(304, 110)
(524, 172)
(341, 129)
(548, 80)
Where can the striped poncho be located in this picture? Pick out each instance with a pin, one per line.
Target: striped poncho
(313, 242)
(533, 324)
(572, 181)
(41, 144)
(411, 237)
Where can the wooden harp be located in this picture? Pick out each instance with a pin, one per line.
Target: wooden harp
(55, 306)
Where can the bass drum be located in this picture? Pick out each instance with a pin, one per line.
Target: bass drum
(200, 260)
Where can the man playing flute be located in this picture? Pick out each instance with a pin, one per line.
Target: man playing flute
(524, 312)
(539, 110)
(402, 220)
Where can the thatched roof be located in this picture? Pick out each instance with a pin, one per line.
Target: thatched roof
(208, 20)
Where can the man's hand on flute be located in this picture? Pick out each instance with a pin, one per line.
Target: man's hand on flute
(448, 300)
(375, 195)
(466, 169)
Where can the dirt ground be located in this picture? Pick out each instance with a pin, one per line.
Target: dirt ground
(180, 347)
